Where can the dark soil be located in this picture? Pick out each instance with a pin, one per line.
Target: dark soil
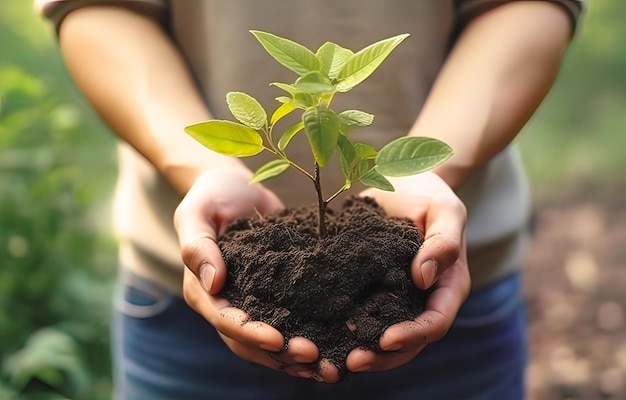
(574, 277)
(358, 276)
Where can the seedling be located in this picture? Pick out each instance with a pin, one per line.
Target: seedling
(321, 75)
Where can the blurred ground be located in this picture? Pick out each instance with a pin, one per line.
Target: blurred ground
(575, 289)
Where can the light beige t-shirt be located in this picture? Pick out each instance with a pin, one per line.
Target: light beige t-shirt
(214, 37)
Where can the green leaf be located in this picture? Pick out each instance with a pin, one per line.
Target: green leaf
(283, 110)
(360, 66)
(301, 98)
(227, 137)
(332, 58)
(284, 99)
(304, 100)
(411, 155)
(246, 109)
(376, 180)
(315, 83)
(291, 89)
(292, 55)
(346, 149)
(289, 134)
(350, 119)
(321, 126)
(270, 170)
(365, 151)
(363, 168)
(347, 155)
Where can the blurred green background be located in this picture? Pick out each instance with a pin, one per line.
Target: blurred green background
(57, 169)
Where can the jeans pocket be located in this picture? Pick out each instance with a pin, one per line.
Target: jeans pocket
(136, 297)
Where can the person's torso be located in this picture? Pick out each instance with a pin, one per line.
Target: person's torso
(224, 56)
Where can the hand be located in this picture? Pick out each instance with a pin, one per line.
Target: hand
(215, 200)
(441, 263)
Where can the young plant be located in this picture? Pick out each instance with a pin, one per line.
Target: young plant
(321, 75)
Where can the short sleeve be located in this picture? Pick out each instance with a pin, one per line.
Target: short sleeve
(469, 9)
(57, 10)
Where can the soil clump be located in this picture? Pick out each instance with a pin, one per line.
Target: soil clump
(282, 274)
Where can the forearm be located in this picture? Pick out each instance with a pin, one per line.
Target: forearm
(496, 75)
(136, 79)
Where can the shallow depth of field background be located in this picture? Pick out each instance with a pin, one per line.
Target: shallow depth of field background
(57, 168)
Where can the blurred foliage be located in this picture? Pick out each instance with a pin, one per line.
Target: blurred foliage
(578, 137)
(52, 357)
(57, 170)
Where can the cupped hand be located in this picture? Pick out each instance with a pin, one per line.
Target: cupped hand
(441, 263)
(216, 199)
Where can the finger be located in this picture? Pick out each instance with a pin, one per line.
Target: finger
(404, 341)
(253, 355)
(324, 371)
(271, 203)
(439, 214)
(328, 372)
(444, 243)
(363, 360)
(228, 320)
(299, 351)
(433, 324)
(203, 257)
(301, 360)
(306, 371)
(198, 242)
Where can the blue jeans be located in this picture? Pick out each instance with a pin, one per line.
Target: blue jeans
(165, 351)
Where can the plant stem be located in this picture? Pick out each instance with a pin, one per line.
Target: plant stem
(337, 193)
(299, 168)
(321, 225)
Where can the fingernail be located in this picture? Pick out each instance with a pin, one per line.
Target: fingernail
(271, 349)
(429, 272)
(207, 274)
(317, 377)
(363, 368)
(305, 374)
(394, 347)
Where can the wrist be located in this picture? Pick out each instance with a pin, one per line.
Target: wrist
(454, 174)
(182, 176)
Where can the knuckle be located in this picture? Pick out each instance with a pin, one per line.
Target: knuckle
(435, 330)
(192, 255)
(180, 212)
(452, 249)
(454, 204)
(190, 295)
(439, 334)
(448, 249)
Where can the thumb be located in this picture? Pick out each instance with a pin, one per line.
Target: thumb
(438, 253)
(197, 237)
(203, 257)
(443, 246)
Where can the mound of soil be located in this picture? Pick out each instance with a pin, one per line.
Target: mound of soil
(281, 273)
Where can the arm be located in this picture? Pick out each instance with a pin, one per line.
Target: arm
(137, 80)
(496, 75)
(498, 72)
